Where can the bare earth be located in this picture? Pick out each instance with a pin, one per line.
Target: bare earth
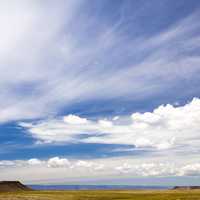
(104, 195)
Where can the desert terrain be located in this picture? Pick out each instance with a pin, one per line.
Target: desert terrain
(103, 195)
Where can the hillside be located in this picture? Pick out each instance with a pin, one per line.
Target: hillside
(12, 186)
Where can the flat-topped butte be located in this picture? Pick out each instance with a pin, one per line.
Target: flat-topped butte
(12, 186)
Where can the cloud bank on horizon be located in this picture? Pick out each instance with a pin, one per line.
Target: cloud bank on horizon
(70, 170)
(123, 75)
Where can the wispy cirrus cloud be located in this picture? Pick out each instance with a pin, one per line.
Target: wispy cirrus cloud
(52, 55)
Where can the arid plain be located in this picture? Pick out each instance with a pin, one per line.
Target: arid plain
(104, 195)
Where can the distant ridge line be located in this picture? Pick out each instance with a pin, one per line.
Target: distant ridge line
(96, 187)
(186, 187)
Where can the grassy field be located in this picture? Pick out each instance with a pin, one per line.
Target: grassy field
(103, 195)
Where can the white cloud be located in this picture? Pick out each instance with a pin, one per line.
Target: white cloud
(190, 170)
(73, 119)
(58, 169)
(105, 123)
(45, 64)
(82, 163)
(115, 118)
(34, 161)
(143, 142)
(6, 163)
(57, 162)
(124, 168)
(169, 135)
(147, 118)
(166, 127)
(156, 169)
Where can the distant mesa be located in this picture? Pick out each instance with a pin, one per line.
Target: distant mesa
(186, 187)
(13, 186)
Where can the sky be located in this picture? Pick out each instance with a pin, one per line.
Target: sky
(100, 92)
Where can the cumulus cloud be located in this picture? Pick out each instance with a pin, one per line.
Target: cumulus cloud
(82, 163)
(166, 127)
(190, 170)
(105, 123)
(73, 119)
(54, 162)
(57, 162)
(64, 169)
(149, 169)
(124, 168)
(6, 163)
(34, 161)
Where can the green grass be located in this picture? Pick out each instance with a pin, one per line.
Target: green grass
(104, 195)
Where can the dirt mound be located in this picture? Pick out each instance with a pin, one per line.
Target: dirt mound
(12, 186)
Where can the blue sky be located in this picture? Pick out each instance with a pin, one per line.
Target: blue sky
(103, 90)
